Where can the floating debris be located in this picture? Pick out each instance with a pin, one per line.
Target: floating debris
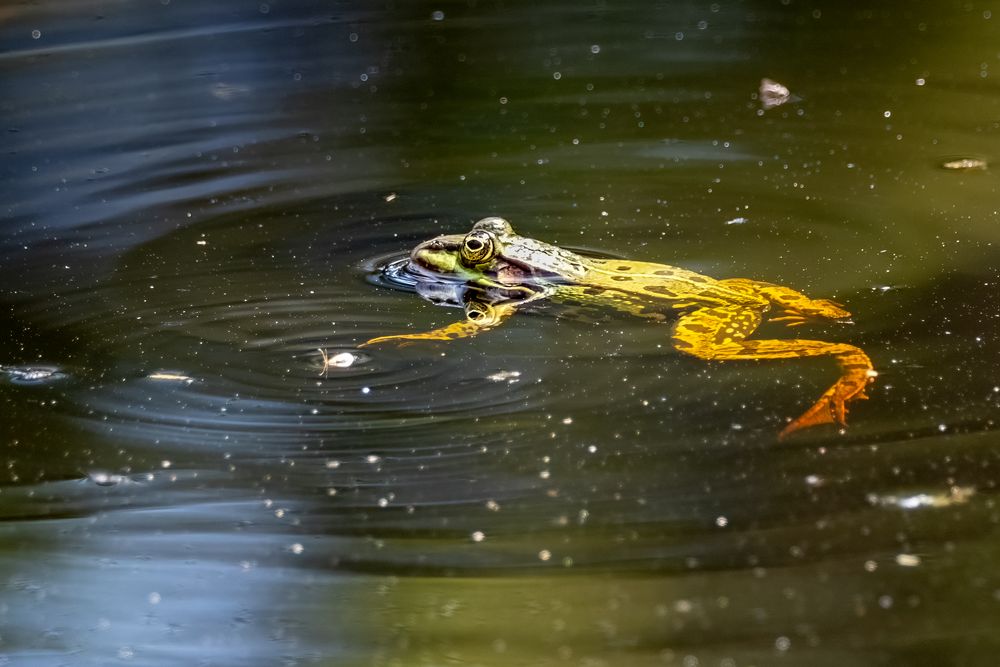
(32, 374)
(169, 376)
(956, 495)
(773, 94)
(391, 197)
(101, 478)
(339, 360)
(907, 560)
(738, 221)
(510, 377)
(965, 164)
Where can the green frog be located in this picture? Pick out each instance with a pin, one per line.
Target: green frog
(491, 272)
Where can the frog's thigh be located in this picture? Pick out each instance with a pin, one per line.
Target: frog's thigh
(787, 298)
(719, 333)
(715, 333)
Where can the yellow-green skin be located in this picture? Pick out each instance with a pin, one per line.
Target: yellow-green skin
(503, 271)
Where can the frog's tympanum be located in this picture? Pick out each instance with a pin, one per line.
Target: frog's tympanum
(491, 272)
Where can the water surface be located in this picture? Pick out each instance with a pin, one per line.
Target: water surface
(196, 200)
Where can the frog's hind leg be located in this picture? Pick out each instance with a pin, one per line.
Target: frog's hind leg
(797, 308)
(720, 333)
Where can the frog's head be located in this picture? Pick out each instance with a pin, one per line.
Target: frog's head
(464, 257)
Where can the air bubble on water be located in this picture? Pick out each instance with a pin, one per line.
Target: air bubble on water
(814, 480)
(782, 643)
(595, 48)
(36, 34)
(437, 15)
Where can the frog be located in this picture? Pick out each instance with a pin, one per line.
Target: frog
(491, 272)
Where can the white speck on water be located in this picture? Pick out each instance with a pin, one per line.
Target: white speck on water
(202, 242)
(870, 566)
(567, 420)
(920, 82)
(154, 598)
(366, 390)
(544, 554)
(885, 601)
(333, 465)
(165, 463)
(907, 560)
(391, 197)
(437, 15)
(557, 75)
(595, 48)
(887, 113)
(492, 505)
(721, 521)
(36, 34)
(478, 536)
(383, 502)
(592, 449)
(126, 653)
(738, 221)
(545, 474)
(296, 548)
(782, 644)
(373, 458)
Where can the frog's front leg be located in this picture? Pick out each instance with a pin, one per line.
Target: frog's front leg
(720, 333)
(479, 316)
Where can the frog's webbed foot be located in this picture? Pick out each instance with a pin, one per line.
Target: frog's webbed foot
(811, 310)
(831, 408)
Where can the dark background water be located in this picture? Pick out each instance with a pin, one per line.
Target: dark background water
(195, 195)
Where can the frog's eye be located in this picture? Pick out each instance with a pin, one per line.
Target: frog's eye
(477, 247)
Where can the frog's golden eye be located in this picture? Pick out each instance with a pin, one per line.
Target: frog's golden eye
(477, 247)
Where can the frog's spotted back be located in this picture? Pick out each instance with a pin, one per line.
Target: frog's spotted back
(501, 271)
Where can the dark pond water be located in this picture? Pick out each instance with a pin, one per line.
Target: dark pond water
(196, 198)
